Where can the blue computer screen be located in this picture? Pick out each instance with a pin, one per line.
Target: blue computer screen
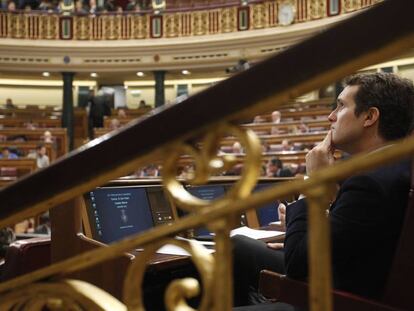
(117, 212)
(268, 212)
(207, 192)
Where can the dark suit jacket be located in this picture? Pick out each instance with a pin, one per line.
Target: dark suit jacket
(366, 220)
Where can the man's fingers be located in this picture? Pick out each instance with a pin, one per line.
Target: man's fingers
(327, 141)
(275, 245)
(281, 208)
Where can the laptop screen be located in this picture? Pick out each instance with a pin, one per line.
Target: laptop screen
(268, 212)
(117, 212)
(205, 192)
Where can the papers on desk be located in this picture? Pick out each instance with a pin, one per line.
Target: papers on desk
(171, 249)
(255, 234)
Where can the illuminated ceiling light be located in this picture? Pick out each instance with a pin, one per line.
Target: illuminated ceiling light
(46, 74)
(125, 87)
(94, 74)
(185, 72)
(140, 74)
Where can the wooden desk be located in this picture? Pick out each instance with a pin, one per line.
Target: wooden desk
(311, 113)
(23, 166)
(45, 122)
(59, 135)
(277, 139)
(27, 146)
(30, 112)
(287, 127)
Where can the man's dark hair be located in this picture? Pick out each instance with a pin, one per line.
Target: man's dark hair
(277, 162)
(40, 146)
(392, 95)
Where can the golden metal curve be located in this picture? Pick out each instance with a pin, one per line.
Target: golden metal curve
(178, 289)
(207, 161)
(62, 295)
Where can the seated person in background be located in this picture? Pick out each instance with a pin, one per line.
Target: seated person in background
(276, 116)
(11, 6)
(115, 124)
(150, 171)
(265, 147)
(143, 104)
(187, 171)
(236, 148)
(80, 8)
(373, 110)
(44, 224)
(286, 145)
(122, 113)
(30, 125)
(7, 237)
(6, 153)
(258, 119)
(132, 4)
(47, 137)
(42, 159)
(274, 168)
(302, 128)
(9, 104)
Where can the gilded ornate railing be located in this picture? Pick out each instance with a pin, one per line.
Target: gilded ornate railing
(315, 62)
(170, 24)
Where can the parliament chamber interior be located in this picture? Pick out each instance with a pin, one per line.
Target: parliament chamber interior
(139, 137)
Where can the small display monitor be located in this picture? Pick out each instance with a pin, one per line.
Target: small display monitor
(205, 192)
(267, 213)
(117, 212)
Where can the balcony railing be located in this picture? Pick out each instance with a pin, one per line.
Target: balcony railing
(170, 24)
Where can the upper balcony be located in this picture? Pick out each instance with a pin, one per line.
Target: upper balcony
(198, 37)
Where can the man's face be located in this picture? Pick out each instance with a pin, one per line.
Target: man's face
(346, 127)
(42, 151)
(271, 169)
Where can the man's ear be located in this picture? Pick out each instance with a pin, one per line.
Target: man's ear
(371, 116)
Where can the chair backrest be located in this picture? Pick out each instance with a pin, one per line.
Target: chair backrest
(24, 256)
(8, 171)
(398, 291)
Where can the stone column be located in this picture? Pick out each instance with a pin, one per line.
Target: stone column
(67, 109)
(159, 77)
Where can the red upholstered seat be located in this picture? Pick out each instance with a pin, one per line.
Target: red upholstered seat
(8, 171)
(24, 256)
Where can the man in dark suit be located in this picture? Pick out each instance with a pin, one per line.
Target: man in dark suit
(366, 214)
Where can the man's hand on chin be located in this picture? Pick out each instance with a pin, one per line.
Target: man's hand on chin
(321, 155)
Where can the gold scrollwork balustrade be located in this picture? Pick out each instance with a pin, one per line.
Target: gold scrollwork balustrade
(61, 295)
(214, 270)
(207, 162)
(178, 290)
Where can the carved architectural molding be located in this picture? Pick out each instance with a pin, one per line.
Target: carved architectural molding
(204, 51)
